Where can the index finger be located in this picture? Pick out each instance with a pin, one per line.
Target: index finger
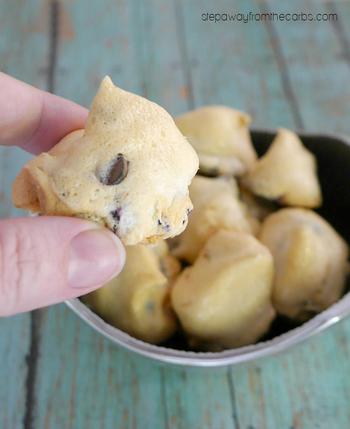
(35, 120)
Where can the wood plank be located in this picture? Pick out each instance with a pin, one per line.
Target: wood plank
(203, 398)
(14, 344)
(192, 398)
(160, 63)
(93, 42)
(229, 74)
(139, 61)
(317, 67)
(160, 77)
(86, 382)
(232, 63)
(198, 398)
(23, 36)
(94, 383)
(24, 29)
(99, 385)
(307, 386)
(341, 27)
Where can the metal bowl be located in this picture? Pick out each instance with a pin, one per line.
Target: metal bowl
(333, 156)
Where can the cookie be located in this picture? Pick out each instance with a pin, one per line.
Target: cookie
(220, 136)
(216, 206)
(224, 299)
(287, 173)
(168, 264)
(129, 170)
(137, 301)
(310, 260)
(256, 208)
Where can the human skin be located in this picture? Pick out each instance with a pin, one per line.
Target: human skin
(45, 260)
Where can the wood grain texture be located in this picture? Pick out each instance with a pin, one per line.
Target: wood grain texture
(308, 386)
(233, 63)
(138, 394)
(84, 381)
(317, 68)
(341, 27)
(198, 398)
(283, 75)
(93, 42)
(23, 27)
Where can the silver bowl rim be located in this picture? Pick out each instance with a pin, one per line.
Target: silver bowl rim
(318, 323)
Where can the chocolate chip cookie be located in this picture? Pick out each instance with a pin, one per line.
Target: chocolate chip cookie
(129, 170)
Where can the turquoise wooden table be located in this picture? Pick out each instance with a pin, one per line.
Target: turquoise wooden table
(56, 372)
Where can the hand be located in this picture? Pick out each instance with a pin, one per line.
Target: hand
(45, 260)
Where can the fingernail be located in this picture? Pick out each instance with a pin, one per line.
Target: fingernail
(95, 256)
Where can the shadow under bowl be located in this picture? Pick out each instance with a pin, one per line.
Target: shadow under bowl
(333, 157)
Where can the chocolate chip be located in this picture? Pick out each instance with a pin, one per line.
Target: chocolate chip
(165, 226)
(116, 214)
(188, 211)
(117, 172)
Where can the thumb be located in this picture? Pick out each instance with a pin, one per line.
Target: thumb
(45, 260)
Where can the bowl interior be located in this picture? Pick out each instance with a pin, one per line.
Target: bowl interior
(333, 160)
(333, 157)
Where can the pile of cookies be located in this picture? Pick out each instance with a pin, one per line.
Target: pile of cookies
(252, 249)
